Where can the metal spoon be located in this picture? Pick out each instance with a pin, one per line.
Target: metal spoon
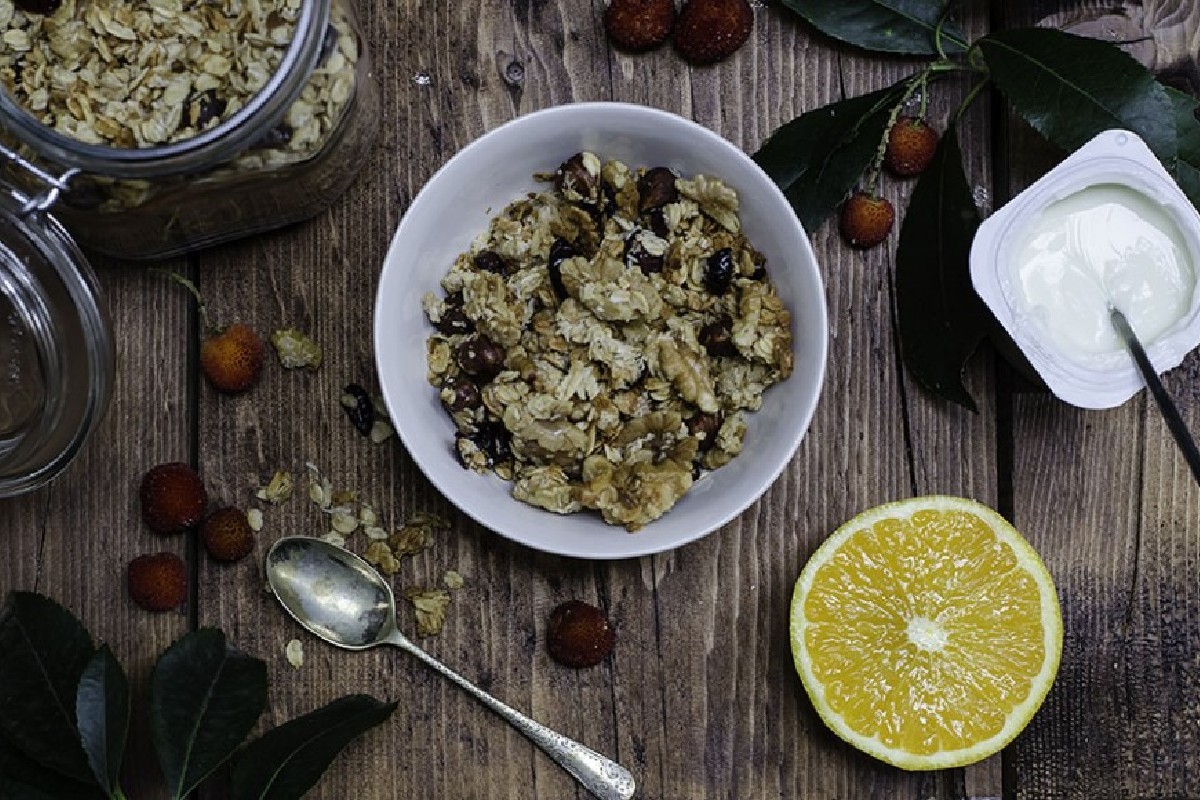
(342, 599)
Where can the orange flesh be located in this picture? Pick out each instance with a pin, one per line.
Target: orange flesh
(978, 640)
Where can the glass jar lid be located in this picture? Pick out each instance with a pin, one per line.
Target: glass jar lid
(56, 352)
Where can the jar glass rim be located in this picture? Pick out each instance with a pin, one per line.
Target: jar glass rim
(218, 144)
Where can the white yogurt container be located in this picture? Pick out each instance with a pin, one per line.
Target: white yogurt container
(1107, 226)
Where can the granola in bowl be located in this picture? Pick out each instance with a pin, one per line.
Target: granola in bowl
(600, 344)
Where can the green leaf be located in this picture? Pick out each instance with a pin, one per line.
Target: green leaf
(888, 26)
(818, 157)
(43, 652)
(1070, 88)
(24, 779)
(1187, 128)
(288, 761)
(204, 698)
(102, 711)
(940, 318)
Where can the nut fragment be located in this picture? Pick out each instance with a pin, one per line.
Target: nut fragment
(278, 489)
(430, 606)
(295, 653)
(297, 350)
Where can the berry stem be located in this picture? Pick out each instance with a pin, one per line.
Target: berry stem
(191, 287)
(970, 98)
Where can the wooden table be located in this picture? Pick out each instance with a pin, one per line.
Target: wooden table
(700, 699)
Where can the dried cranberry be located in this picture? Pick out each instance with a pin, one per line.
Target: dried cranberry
(704, 426)
(717, 338)
(465, 394)
(719, 272)
(362, 411)
(495, 440)
(560, 251)
(579, 634)
(480, 356)
(454, 320)
(656, 188)
(637, 256)
(490, 261)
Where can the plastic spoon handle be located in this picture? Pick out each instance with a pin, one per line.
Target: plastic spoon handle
(603, 777)
(1166, 405)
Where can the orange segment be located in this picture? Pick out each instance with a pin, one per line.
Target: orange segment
(926, 632)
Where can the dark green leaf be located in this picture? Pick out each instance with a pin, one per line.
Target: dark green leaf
(24, 779)
(818, 157)
(288, 761)
(102, 711)
(1187, 128)
(1070, 88)
(43, 651)
(940, 318)
(204, 698)
(889, 26)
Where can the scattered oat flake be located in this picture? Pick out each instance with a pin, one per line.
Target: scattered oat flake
(296, 350)
(278, 489)
(344, 522)
(335, 539)
(430, 605)
(452, 579)
(375, 533)
(381, 431)
(366, 515)
(255, 517)
(295, 653)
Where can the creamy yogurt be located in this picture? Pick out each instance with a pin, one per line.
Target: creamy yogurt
(1103, 245)
(1107, 226)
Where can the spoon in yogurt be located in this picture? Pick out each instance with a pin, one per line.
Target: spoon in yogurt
(1170, 412)
(343, 600)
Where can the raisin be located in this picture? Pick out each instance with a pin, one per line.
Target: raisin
(207, 107)
(275, 138)
(496, 441)
(636, 255)
(480, 356)
(362, 411)
(579, 634)
(42, 7)
(704, 426)
(466, 394)
(573, 176)
(328, 43)
(717, 338)
(455, 320)
(656, 188)
(658, 223)
(719, 272)
(490, 261)
(560, 251)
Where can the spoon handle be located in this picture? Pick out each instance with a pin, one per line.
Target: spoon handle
(604, 778)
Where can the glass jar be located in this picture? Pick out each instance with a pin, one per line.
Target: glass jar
(228, 166)
(280, 154)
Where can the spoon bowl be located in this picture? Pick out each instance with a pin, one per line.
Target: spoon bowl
(345, 601)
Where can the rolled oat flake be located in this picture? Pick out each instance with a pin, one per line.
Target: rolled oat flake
(56, 353)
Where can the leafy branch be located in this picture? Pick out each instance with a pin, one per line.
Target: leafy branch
(65, 709)
(1068, 88)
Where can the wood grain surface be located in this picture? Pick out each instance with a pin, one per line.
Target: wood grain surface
(700, 699)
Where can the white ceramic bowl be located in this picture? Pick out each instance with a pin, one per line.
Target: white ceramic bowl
(456, 205)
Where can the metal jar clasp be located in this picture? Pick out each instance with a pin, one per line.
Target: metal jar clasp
(54, 185)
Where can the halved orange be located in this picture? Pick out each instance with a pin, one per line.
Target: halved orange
(926, 632)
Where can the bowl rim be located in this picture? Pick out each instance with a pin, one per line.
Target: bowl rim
(628, 543)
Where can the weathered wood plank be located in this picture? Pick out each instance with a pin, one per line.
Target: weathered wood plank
(1109, 502)
(73, 539)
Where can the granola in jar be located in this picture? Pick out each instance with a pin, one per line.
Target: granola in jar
(600, 343)
(149, 76)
